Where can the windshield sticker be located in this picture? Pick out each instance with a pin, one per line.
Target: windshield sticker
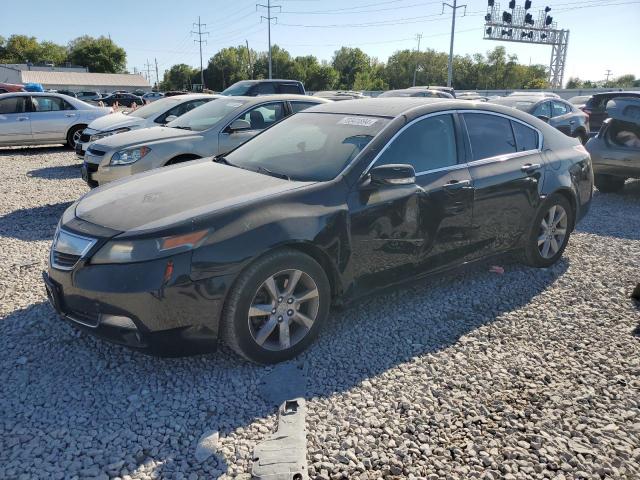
(359, 121)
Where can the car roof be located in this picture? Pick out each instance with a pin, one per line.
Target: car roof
(379, 107)
(618, 94)
(281, 96)
(267, 80)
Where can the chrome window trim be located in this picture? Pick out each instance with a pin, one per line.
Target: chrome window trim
(92, 242)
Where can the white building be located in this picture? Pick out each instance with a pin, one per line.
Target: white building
(75, 79)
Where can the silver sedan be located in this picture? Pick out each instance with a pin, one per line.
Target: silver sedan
(211, 129)
(39, 118)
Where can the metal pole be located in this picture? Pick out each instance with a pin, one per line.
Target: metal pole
(415, 71)
(157, 75)
(453, 32)
(200, 37)
(249, 55)
(269, 33)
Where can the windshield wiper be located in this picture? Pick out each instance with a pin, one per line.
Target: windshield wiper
(266, 171)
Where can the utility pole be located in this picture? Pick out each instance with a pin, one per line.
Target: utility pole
(249, 55)
(415, 71)
(268, 18)
(454, 8)
(200, 41)
(157, 75)
(608, 74)
(147, 67)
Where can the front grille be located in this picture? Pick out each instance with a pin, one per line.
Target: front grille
(84, 138)
(96, 153)
(87, 319)
(92, 167)
(65, 260)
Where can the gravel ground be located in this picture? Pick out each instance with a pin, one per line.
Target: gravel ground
(530, 374)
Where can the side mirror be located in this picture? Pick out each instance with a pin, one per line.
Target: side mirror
(170, 118)
(238, 125)
(398, 174)
(544, 118)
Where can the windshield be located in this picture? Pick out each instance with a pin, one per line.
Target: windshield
(237, 89)
(520, 103)
(207, 115)
(308, 146)
(157, 107)
(396, 93)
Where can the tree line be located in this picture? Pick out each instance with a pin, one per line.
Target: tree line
(100, 55)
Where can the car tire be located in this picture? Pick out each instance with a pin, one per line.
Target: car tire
(73, 135)
(608, 183)
(265, 322)
(549, 232)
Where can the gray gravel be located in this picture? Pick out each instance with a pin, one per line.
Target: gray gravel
(530, 374)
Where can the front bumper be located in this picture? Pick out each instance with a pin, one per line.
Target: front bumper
(133, 305)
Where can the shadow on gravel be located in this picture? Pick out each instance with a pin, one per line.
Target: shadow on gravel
(37, 223)
(65, 172)
(135, 409)
(31, 150)
(622, 209)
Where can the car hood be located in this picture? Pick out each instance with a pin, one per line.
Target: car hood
(170, 196)
(114, 121)
(142, 136)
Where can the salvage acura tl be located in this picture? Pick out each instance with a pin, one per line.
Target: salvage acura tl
(324, 207)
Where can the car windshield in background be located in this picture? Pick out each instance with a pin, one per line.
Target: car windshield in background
(579, 100)
(309, 146)
(206, 116)
(240, 88)
(519, 103)
(155, 108)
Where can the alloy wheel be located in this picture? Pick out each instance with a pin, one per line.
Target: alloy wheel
(283, 310)
(76, 137)
(552, 232)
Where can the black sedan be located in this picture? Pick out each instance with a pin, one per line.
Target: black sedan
(564, 116)
(324, 207)
(122, 99)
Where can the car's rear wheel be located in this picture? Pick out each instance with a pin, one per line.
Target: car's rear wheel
(550, 231)
(73, 135)
(608, 183)
(276, 307)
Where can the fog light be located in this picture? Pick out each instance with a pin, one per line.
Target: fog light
(117, 321)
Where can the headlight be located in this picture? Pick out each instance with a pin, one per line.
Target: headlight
(98, 136)
(142, 250)
(131, 155)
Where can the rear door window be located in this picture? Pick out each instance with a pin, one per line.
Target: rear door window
(558, 109)
(289, 88)
(12, 105)
(544, 109)
(265, 88)
(49, 104)
(299, 106)
(426, 145)
(489, 135)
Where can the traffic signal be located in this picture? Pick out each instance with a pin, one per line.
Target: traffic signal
(547, 9)
(487, 17)
(528, 19)
(512, 4)
(489, 30)
(548, 20)
(530, 35)
(506, 17)
(527, 4)
(491, 3)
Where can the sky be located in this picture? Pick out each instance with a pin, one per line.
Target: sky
(604, 35)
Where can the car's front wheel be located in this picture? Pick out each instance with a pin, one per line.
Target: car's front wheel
(608, 183)
(550, 231)
(73, 136)
(276, 307)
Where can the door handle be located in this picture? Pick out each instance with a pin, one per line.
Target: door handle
(530, 167)
(70, 115)
(22, 119)
(456, 184)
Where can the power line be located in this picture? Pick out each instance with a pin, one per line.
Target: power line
(200, 42)
(268, 18)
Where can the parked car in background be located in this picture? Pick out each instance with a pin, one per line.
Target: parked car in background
(173, 93)
(534, 94)
(615, 150)
(37, 118)
(415, 92)
(140, 93)
(252, 88)
(559, 113)
(211, 129)
(10, 87)
(89, 96)
(152, 96)
(449, 90)
(122, 99)
(158, 113)
(596, 107)
(33, 87)
(338, 95)
(323, 208)
(68, 93)
(579, 100)
(471, 96)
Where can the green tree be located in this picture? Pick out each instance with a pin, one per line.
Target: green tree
(574, 82)
(624, 81)
(227, 67)
(100, 55)
(321, 77)
(348, 62)
(178, 77)
(53, 53)
(21, 49)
